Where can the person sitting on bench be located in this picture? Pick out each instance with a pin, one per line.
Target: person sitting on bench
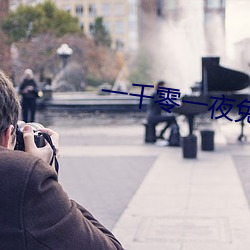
(154, 112)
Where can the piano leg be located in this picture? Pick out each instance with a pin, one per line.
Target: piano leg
(242, 137)
(190, 123)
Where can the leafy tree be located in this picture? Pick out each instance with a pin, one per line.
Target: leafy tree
(96, 64)
(42, 18)
(100, 33)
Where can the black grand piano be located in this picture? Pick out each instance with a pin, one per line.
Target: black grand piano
(216, 81)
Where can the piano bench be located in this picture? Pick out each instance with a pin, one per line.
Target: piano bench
(150, 132)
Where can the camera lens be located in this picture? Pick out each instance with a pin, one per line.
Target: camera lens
(38, 137)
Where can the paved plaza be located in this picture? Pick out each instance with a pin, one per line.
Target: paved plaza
(149, 195)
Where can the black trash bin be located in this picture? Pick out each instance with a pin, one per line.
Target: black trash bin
(189, 146)
(207, 140)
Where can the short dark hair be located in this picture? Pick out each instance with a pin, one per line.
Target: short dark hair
(9, 104)
(160, 83)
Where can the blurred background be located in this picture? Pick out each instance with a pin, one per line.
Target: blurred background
(112, 44)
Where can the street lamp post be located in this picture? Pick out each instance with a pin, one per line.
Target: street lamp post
(64, 51)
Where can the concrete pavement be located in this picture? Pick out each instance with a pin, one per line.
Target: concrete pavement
(189, 204)
(175, 203)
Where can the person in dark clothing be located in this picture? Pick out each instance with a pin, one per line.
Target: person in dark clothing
(29, 92)
(35, 212)
(154, 112)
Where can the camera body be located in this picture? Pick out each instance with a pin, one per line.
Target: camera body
(38, 137)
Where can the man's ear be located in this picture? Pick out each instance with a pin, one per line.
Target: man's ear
(7, 140)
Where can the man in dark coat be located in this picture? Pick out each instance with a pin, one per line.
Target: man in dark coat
(154, 112)
(35, 212)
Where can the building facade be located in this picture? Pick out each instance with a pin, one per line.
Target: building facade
(120, 18)
(208, 13)
(13, 4)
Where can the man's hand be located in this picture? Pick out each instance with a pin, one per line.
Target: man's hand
(45, 153)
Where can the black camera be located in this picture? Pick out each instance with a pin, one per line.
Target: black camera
(38, 137)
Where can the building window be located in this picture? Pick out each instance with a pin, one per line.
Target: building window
(82, 26)
(67, 8)
(119, 9)
(119, 27)
(79, 10)
(106, 7)
(92, 10)
(91, 27)
(132, 10)
(107, 25)
(214, 4)
(132, 26)
(119, 44)
(170, 4)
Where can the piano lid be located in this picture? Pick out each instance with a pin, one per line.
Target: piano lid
(218, 78)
